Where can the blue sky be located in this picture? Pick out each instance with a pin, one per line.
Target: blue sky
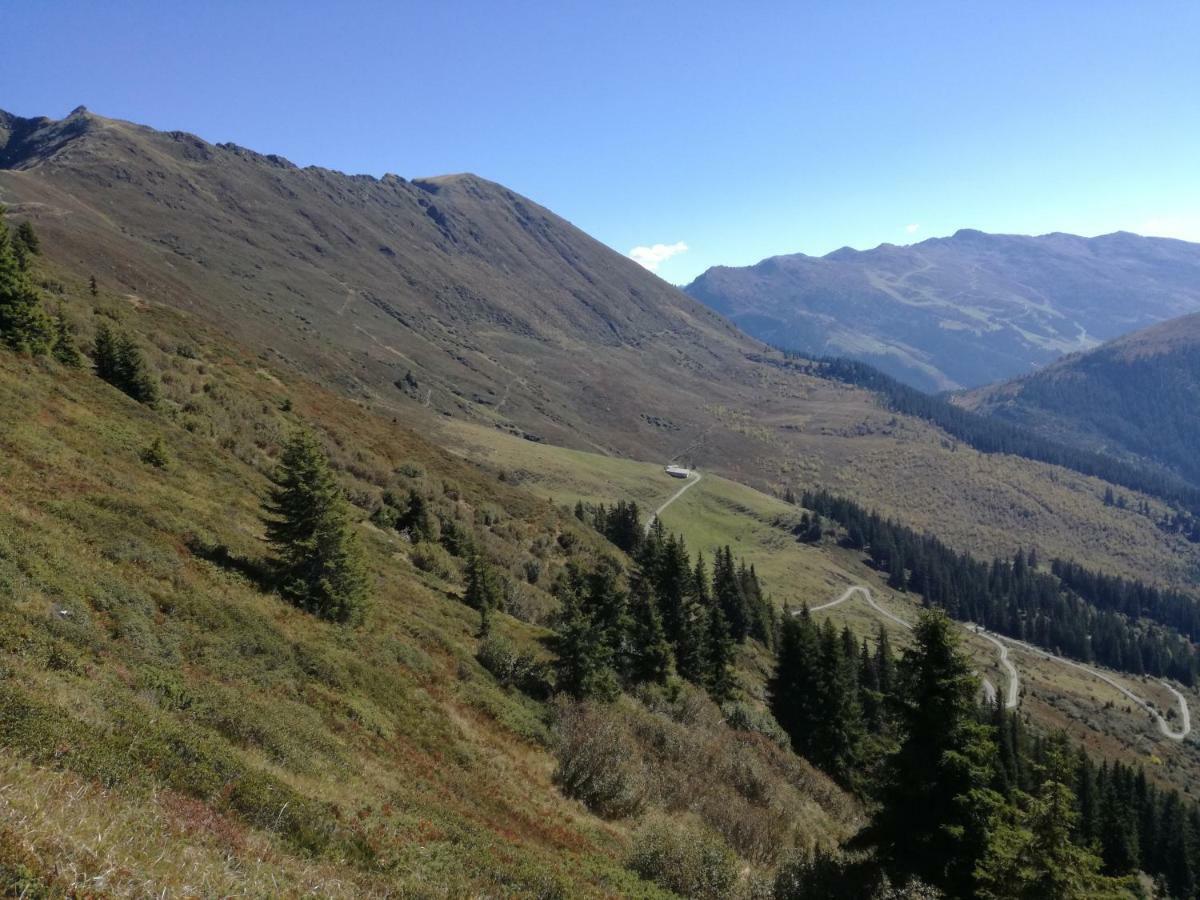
(736, 130)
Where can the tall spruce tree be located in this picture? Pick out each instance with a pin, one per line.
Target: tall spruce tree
(584, 667)
(795, 685)
(652, 658)
(1031, 850)
(308, 523)
(935, 798)
(23, 326)
(65, 350)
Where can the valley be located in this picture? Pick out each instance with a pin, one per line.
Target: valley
(535, 683)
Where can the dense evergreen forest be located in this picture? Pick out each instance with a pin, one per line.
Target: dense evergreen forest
(1132, 598)
(1146, 405)
(1013, 596)
(994, 436)
(1014, 813)
(673, 617)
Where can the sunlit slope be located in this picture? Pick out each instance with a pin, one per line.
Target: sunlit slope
(757, 526)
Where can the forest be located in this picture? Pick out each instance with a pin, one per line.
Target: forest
(1012, 596)
(995, 436)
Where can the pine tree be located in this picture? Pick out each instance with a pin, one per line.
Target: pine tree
(93, 288)
(119, 361)
(23, 326)
(836, 740)
(691, 645)
(727, 593)
(28, 239)
(719, 655)
(65, 350)
(133, 373)
(419, 519)
(652, 657)
(308, 523)
(1032, 850)
(482, 592)
(795, 684)
(935, 799)
(584, 659)
(104, 354)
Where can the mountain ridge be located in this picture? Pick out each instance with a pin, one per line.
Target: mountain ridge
(964, 310)
(1134, 398)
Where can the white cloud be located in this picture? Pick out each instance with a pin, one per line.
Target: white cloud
(1186, 228)
(655, 255)
(912, 229)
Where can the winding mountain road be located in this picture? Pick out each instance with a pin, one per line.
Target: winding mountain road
(1012, 697)
(1185, 715)
(989, 689)
(693, 479)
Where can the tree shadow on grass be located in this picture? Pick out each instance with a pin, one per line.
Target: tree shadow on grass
(260, 572)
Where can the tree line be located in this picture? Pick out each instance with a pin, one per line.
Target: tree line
(1132, 598)
(1011, 596)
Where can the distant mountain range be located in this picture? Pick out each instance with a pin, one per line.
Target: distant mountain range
(961, 311)
(1136, 398)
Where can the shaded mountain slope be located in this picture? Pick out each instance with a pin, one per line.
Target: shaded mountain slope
(964, 310)
(1135, 398)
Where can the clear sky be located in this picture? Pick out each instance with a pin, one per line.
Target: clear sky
(736, 130)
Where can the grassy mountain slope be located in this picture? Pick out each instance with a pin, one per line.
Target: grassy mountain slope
(1135, 398)
(959, 311)
(717, 512)
(506, 316)
(169, 725)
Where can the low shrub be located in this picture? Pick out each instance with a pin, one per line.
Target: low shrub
(513, 668)
(598, 761)
(686, 859)
(434, 559)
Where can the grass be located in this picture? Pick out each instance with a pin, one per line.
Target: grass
(144, 671)
(718, 511)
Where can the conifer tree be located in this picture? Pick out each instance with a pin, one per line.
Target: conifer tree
(104, 354)
(308, 523)
(691, 646)
(652, 657)
(133, 373)
(482, 592)
(65, 350)
(584, 665)
(93, 288)
(23, 326)
(728, 596)
(719, 655)
(1031, 852)
(795, 684)
(935, 799)
(28, 239)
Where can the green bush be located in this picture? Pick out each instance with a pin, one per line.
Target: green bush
(434, 559)
(599, 762)
(686, 859)
(156, 454)
(513, 668)
(743, 717)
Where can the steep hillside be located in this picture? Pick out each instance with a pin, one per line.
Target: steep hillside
(1135, 398)
(496, 308)
(964, 310)
(454, 299)
(171, 725)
